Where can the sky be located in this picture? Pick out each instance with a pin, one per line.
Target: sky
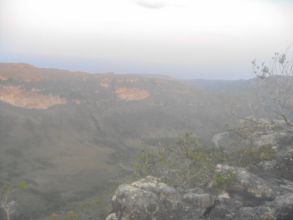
(207, 39)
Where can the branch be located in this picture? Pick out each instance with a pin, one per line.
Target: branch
(286, 120)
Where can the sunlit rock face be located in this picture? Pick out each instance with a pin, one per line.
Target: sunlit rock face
(106, 82)
(132, 94)
(20, 97)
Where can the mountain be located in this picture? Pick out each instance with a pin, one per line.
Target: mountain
(66, 132)
(223, 85)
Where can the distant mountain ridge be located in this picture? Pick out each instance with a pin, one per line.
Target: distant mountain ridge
(217, 85)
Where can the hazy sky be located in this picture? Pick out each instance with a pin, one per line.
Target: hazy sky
(183, 38)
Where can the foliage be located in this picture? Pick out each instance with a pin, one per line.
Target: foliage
(187, 163)
(252, 155)
(222, 180)
(23, 185)
(6, 203)
(190, 163)
(276, 85)
(69, 215)
(93, 208)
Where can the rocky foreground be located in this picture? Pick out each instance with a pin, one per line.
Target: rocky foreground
(250, 199)
(261, 192)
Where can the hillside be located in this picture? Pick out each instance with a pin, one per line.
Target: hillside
(66, 133)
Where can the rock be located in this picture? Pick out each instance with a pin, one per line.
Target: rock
(147, 199)
(256, 213)
(201, 200)
(151, 199)
(199, 203)
(112, 216)
(268, 165)
(254, 132)
(247, 184)
(284, 207)
(284, 165)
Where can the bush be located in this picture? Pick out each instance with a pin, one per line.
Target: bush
(253, 155)
(7, 204)
(222, 180)
(187, 163)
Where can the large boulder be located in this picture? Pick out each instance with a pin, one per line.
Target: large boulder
(146, 199)
(149, 199)
(254, 132)
(196, 205)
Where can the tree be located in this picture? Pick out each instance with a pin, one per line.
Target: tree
(6, 204)
(275, 86)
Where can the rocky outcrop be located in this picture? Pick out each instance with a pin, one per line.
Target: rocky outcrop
(149, 199)
(284, 165)
(132, 94)
(146, 199)
(252, 131)
(283, 206)
(106, 82)
(20, 97)
(262, 191)
(273, 138)
(247, 184)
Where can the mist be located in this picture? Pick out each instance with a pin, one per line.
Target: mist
(177, 38)
(146, 110)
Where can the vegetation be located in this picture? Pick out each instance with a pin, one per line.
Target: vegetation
(187, 163)
(275, 88)
(222, 180)
(6, 203)
(190, 163)
(110, 126)
(252, 155)
(96, 207)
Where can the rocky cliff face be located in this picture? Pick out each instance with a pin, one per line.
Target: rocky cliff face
(132, 94)
(263, 191)
(19, 97)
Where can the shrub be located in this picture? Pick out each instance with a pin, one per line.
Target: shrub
(186, 163)
(222, 180)
(253, 155)
(6, 203)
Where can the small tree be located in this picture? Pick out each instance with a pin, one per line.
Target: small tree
(275, 88)
(6, 203)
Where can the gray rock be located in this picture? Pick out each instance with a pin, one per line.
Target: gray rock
(284, 165)
(147, 199)
(151, 199)
(256, 213)
(247, 183)
(283, 206)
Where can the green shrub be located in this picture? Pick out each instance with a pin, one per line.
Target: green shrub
(222, 180)
(186, 163)
(253, 155)
(6, 191)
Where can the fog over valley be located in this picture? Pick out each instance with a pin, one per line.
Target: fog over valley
(146, 110)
